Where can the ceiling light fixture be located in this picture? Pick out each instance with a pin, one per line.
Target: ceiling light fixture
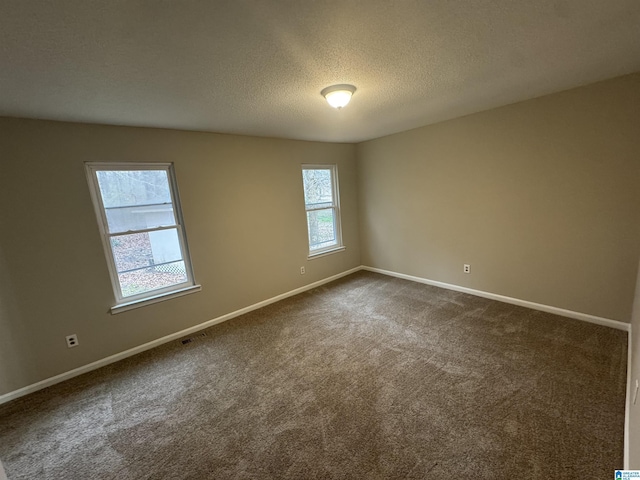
(338, 95)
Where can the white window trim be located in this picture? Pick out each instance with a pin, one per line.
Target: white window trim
(339, 246)
(123, 307)
(324, 253)
(153, 296)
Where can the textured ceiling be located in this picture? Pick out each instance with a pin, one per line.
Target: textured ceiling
(256, 67)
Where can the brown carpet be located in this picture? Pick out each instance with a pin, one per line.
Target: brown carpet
(369, 377)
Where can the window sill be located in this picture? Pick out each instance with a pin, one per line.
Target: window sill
(341, 248)
(123, 307)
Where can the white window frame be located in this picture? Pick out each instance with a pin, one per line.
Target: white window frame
(335, 206)
(134, 301)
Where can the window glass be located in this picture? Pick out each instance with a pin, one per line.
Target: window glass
(136, 199)
(321, 204)
(322, 230)
(143, 233)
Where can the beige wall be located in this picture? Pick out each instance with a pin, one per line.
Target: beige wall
(244, 214)
(542, 198)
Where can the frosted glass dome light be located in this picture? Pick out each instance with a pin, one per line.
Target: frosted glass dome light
(338, 95)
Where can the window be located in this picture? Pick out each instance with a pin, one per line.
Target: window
(141, 224)
(322, 206)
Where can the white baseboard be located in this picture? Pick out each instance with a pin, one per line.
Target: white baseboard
(7, 397)
(514, 301)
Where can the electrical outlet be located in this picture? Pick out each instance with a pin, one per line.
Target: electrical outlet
(466, 268)
(72, 340)
(302, 271)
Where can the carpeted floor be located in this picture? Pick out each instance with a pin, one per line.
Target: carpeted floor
(369, 377)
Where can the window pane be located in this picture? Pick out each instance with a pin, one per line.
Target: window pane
(136, 199)
(148, 261)
(152, 278)
(322, 231)
(318, 187)
(139, 250)
(133, 187)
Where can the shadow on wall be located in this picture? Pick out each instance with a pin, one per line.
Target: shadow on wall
(14, 363)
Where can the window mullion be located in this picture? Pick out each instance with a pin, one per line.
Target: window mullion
(315, 209)
(143, 230)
